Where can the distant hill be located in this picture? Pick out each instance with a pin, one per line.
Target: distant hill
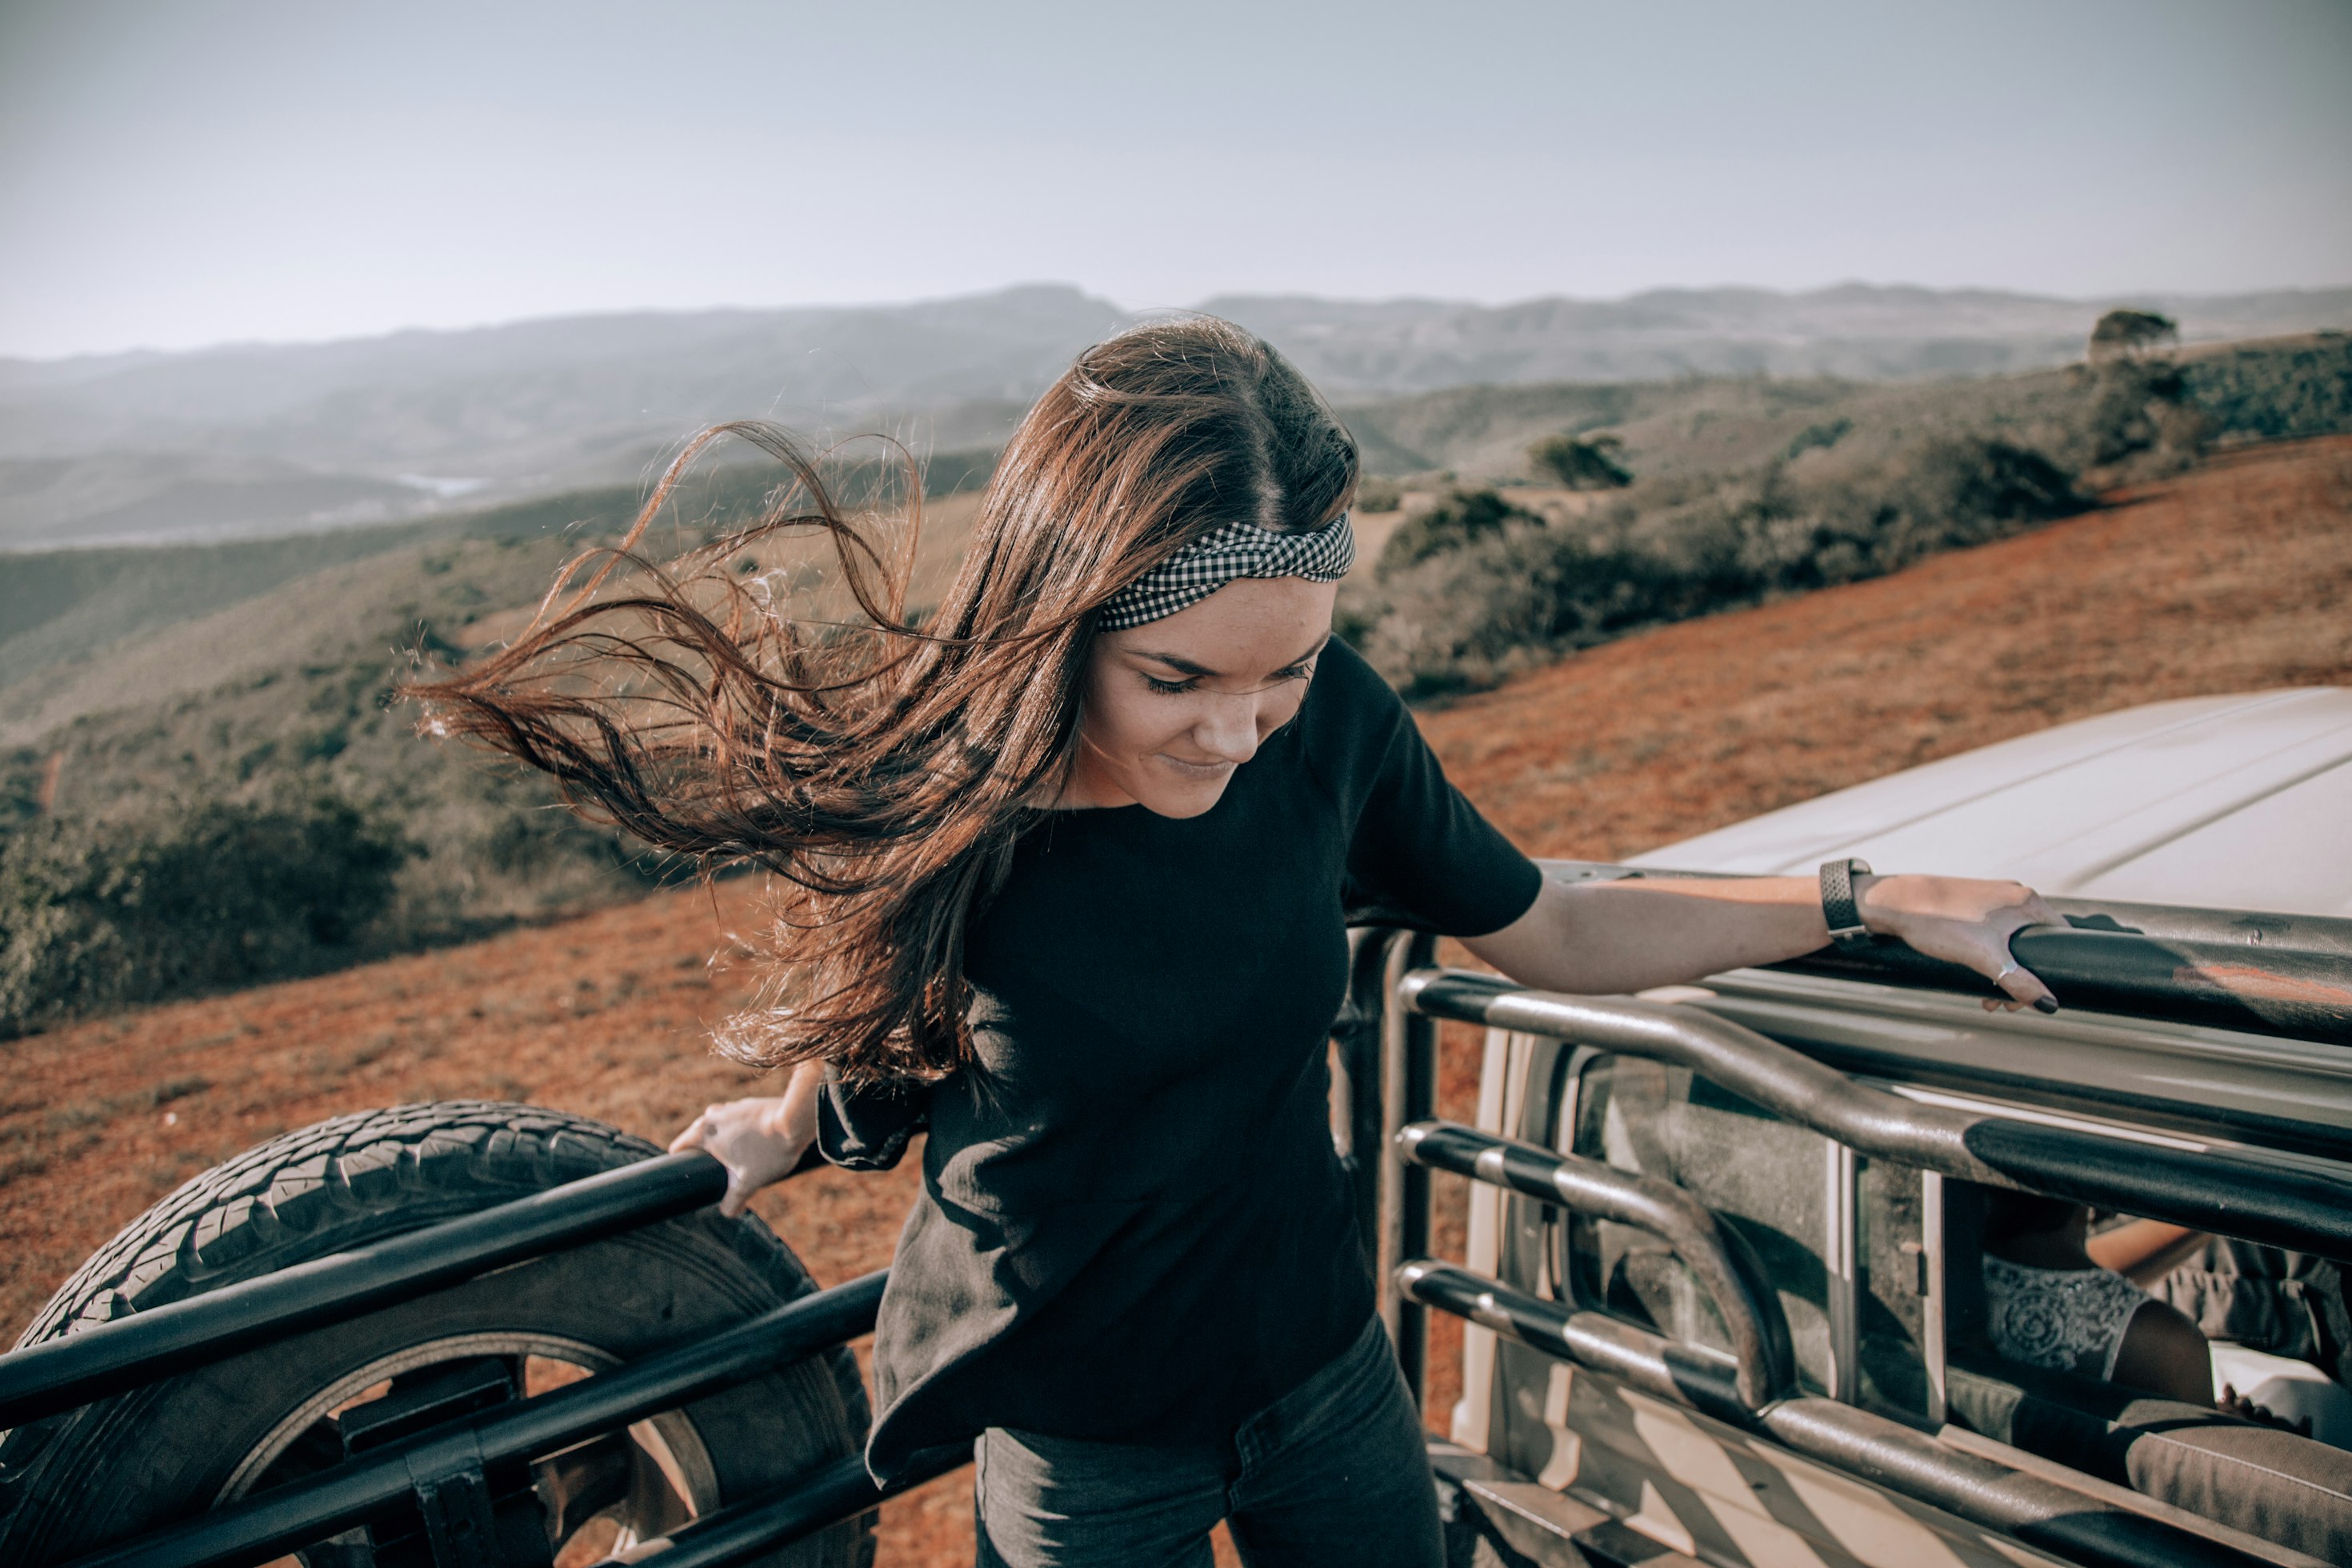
(60, 607)
(1855, 331)
(261, 440)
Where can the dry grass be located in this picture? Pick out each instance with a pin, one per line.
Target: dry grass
(2238, 577)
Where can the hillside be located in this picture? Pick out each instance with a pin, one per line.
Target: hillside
(1692, 425)
(63, 605)
(256, 438)
(2235, 577)
(224, 718)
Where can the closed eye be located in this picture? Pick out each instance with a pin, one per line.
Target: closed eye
(1301, 672)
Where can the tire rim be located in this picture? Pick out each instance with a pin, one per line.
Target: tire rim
(667, 1443)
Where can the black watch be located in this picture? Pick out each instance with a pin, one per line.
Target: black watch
(1839, 906)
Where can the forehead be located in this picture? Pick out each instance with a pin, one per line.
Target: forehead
(1250, 623)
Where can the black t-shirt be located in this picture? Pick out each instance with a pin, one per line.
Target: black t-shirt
(1133, 1225)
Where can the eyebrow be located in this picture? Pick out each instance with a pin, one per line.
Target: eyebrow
(1190, 667)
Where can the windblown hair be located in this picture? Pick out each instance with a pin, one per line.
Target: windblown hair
(882, 771)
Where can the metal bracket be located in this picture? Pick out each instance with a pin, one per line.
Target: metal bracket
(454, 1496)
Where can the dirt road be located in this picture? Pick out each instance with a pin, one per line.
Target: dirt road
(2238, 576)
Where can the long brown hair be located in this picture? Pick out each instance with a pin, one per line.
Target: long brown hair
(883, 771)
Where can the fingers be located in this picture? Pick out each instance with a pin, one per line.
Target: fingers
(692, 1134)
(2024, 989)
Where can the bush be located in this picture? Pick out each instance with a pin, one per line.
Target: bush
(1462, 518)
(1582, 462)
(2297, 390)
(2140, 421)
(1517, 592)
(100, 914)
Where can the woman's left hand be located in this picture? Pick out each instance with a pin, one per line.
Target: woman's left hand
(1965, 921)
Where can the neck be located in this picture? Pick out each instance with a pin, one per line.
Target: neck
(1087, 787)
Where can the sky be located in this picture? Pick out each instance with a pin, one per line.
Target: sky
(181, 173)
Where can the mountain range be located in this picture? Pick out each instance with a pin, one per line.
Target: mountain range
(269, 438)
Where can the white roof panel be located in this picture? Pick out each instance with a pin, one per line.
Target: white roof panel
(2241, 801)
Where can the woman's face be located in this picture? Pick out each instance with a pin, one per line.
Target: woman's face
(1172, 706)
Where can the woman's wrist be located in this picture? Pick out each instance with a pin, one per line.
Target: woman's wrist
(1876, 916)
(792, 1114)
(774, 1113)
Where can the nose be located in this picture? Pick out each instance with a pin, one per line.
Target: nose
(1228, 728)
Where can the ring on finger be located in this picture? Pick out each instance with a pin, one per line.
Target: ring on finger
(2006, 970)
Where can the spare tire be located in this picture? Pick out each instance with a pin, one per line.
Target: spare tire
(72, 1483)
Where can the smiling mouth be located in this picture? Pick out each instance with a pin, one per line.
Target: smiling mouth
(1197, 769)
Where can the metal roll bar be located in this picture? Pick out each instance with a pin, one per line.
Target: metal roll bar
(1714, 1253)
(1408, 1066)
(284, 1518)
(2040, 1513)
(2260, 973)
(159, 1342)
(2208, 1190)
(841, 1491)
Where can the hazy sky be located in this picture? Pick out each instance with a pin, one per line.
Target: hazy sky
(179, 171)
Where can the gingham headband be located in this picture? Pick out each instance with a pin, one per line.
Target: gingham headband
(1215, 559)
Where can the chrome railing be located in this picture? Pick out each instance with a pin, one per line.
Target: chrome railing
(1751, 1388)
(1385, 1078)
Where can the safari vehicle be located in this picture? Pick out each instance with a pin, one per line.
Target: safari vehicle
(1723, 1276)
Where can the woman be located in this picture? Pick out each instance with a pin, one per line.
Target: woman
(1070, 870)
(2051, 1301)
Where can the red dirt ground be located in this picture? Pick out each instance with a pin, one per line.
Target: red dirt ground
(2235, 577)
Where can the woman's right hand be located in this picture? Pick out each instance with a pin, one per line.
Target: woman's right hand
(759, 1140)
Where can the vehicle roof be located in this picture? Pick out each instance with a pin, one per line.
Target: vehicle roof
(2240, 803)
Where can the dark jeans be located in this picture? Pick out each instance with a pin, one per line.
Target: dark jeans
(1333, 1472)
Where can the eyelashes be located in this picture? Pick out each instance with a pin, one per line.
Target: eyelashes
(1178, 688)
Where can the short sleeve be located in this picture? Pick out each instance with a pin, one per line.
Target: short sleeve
(1423, 857)
(867, 1129)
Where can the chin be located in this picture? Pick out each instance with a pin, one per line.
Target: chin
(1186, 799)
(1181, 809)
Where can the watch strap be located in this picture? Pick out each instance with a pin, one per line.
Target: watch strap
(1839, 906)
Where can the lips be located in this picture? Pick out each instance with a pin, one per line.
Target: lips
(1197, 769)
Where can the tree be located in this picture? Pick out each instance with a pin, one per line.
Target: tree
(2127, 335)
(1582, 462)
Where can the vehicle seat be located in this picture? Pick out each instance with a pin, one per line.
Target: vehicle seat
(2265, 1481)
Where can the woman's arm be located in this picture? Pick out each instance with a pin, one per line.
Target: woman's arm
(1602, 939)
(2144, 1250)
(759, 1140)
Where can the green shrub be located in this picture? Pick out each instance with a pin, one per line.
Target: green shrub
(1518, 591)
(1462, 518)
(2139, 414)
(2287, 393)
(102, 912)
(1582, 462)
(1824, 436)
